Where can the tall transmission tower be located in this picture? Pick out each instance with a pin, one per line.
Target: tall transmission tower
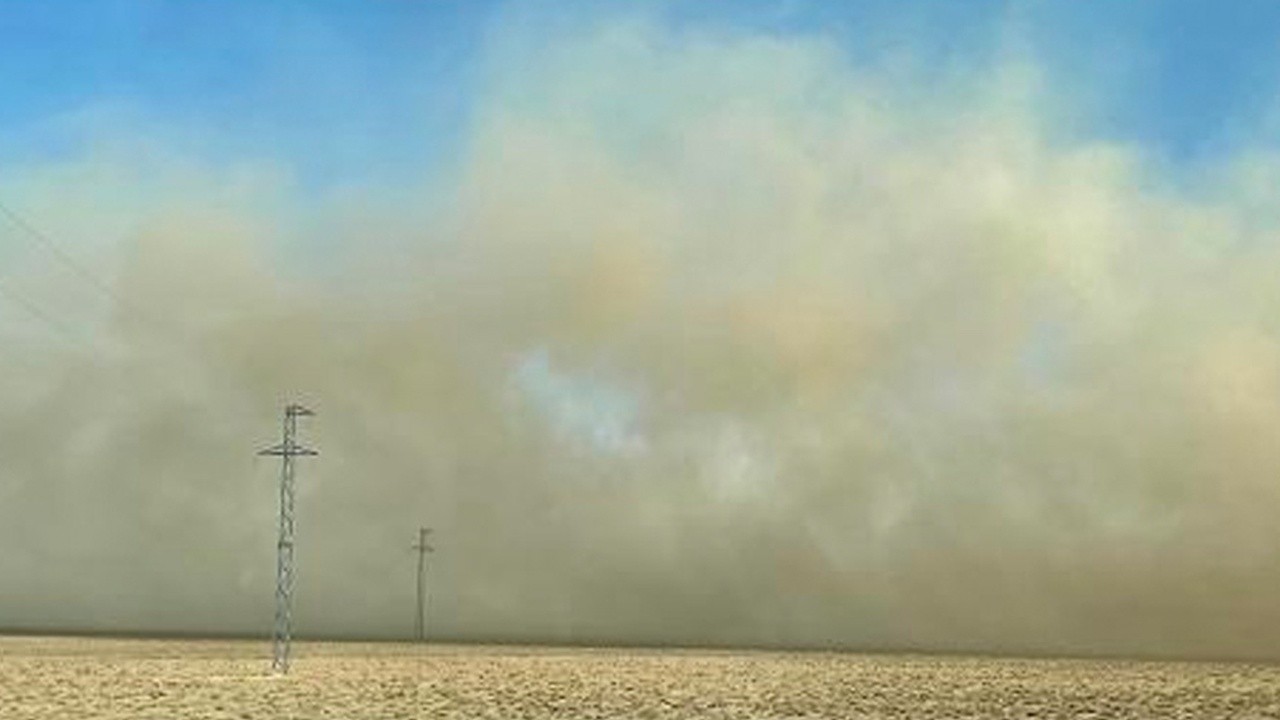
(287, 450)
(420, 622)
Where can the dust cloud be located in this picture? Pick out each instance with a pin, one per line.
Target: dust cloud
(707, 338)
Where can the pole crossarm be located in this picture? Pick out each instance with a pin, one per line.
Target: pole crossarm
(281, 450)
(422, 545)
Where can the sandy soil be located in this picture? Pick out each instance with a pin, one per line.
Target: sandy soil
(108, 678)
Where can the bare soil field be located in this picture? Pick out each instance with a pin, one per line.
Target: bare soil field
(169, 679)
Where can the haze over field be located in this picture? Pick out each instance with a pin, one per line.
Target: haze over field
(678, 328)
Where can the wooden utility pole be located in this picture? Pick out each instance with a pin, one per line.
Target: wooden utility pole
(420, 622)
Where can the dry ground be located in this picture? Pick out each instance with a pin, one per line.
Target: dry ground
(101, 678)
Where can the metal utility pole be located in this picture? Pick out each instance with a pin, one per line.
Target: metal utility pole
(420, 624)
(287, 450)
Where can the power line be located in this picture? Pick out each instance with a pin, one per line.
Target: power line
(67, 260)
(44, 240)
(163, 332)
(62, 331)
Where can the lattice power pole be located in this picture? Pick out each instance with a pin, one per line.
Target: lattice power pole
(287, 450)
(420, 622)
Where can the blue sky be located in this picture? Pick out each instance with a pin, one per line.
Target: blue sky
(346, 91)
(331, 88)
